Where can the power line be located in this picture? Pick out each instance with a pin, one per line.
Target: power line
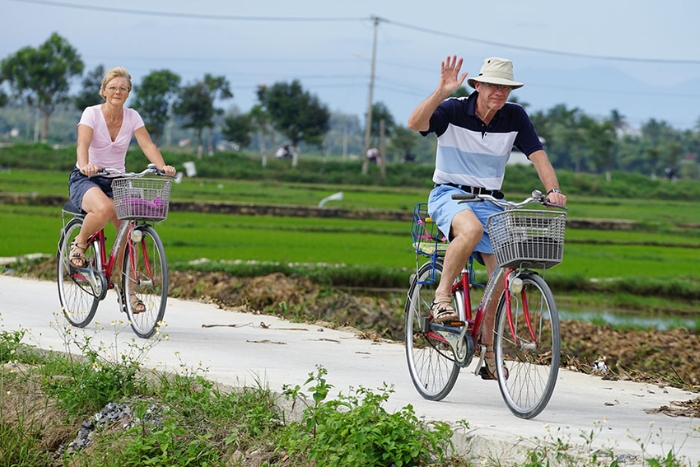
(350, 19)
(538, 50)
(185, 15)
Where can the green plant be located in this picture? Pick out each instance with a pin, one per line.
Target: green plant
(355, 429)
(91, 374)
(672, 458)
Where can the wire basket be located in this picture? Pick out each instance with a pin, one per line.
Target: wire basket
(142, 198)
(427, 239)
(527, 239)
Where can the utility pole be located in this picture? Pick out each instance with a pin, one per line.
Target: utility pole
(368, 120)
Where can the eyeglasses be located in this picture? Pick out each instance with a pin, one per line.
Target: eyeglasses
(498, 87)
(113, 89)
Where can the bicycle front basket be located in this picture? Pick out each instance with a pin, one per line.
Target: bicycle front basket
(527, 238)
(142, 198)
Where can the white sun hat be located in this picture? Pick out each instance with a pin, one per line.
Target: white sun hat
(496, 70)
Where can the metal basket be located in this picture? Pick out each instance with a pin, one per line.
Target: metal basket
(527, 239)
(427, 239)
(142, 198)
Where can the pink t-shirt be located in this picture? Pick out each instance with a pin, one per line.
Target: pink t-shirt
(103, 152)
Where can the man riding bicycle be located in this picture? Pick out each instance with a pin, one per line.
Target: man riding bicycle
(475, 138)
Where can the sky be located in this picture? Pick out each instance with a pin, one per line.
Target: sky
(638, 57)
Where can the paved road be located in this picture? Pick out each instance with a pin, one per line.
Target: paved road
(243, 348)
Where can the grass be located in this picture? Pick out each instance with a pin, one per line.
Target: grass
(190, 236)
(654, 212)
(184, 419)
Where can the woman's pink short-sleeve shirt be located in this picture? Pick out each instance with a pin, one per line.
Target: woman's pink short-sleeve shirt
(103, 152)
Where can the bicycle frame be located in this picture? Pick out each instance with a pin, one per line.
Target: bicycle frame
(473, 321)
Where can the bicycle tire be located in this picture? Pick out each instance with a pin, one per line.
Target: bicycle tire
(430, 363)
(532, 361)
(77, 296)
(145, 276)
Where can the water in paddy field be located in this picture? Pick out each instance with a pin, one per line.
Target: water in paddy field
(659, 322)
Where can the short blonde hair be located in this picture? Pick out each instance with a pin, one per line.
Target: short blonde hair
(116, 72)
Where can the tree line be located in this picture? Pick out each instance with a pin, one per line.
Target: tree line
(41, 79)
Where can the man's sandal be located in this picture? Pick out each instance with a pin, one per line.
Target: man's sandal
(75, 256)
(442, 310)
(137, 306)
(489, 370)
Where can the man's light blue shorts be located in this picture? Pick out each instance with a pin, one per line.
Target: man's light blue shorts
(442, 208)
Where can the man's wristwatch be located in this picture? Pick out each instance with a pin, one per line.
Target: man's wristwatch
(553, 190)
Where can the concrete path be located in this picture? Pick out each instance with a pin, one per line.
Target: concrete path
(243, 348)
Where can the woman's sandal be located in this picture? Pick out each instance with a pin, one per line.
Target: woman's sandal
(74, 255)
(137, 306)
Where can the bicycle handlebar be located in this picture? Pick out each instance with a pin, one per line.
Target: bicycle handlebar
(151, 169)
(537, 197)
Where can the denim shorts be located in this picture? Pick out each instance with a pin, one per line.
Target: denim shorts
(442, 208)
(79, 184)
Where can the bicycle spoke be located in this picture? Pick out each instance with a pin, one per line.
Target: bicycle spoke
(527, 343)
(145, 277)
(76, 293)
(429, 357)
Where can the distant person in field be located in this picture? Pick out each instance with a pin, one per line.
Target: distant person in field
(475, 138)
(283, 152)
(104, 134)
(373, 155)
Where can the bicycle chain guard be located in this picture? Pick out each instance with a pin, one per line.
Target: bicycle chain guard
(459, 340)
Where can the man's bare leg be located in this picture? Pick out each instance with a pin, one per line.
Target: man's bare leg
(466, 234)
(489, 322)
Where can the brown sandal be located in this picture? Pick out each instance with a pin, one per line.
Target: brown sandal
(442, 310)
(74, 255)
(489, 370)
(137, 306)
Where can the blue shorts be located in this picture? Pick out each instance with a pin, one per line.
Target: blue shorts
(79, 184)
(442, 208)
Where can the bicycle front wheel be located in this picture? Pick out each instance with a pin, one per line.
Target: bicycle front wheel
(145, 279)
(76, 293)
(527, 343)
(430, 361)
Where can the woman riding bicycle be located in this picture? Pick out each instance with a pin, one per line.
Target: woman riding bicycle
(104, 134)
(475, 137)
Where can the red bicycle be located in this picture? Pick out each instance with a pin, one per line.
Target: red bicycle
(140, 203)
(526, 332)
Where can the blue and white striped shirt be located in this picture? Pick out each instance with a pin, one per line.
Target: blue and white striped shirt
(471, 153)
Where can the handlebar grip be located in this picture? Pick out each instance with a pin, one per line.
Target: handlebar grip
(552, 205)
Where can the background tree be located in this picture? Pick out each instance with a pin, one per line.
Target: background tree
(403, 140)
(154, 97)
(381, 112)
(295, 113)
(89, 93)
(345, 135)
(41, 77)
(238, 129)
(263, 128)
(4, 99)
(196, 105)
(601, 138)
(462, 91)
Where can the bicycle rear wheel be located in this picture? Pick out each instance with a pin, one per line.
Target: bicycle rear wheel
(76, 288)
(145, 279)
(430, 362)
(528, 345)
